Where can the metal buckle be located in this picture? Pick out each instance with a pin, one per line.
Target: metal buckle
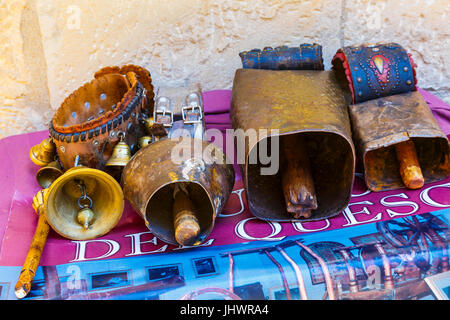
(188, 118)
(161, 114)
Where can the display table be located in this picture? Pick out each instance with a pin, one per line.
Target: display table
(385, 245)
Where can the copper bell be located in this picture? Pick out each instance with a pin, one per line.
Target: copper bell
(151, 178)
(84, 203)
(399, 142)
(121, 154)
(305, 114)
(179, 199)
(43, 153)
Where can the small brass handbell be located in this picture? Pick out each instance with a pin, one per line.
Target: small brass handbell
(144, 141)
(120, 156)
(84, 203)
(43, 153)
(81, 204)
(46, 175)
(149, 122)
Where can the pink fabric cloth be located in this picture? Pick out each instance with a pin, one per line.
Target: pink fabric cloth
(235, 225)
(440, 109)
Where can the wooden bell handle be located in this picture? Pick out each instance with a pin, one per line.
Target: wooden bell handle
(23, 285)
(296, 178)
(410, 170)
(186, 225)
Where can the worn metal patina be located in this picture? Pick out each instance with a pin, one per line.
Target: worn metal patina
(380, 80)
(379, 124)
(149, 179)
(308, 103)
(178, 158)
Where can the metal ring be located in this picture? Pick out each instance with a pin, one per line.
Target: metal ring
(85, 206)
(121, 135)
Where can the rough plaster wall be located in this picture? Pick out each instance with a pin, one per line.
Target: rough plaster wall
(185, 42)
(179, 41)
(24, 97)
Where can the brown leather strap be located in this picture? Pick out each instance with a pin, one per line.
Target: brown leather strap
(89, 121)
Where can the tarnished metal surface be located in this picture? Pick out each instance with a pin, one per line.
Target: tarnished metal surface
(381, 123)
(309, 103)
(149, 178)
(388, 110)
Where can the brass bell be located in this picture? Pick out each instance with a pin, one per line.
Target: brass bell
(144, 141)
(43, 153)
(84, 203)
(85, 216)
(121, 154)
(46, 175)
(149, 122)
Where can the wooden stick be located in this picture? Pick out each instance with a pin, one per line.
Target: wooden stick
(185, 221)
(409, 165)
(296, 177)
(29, 268)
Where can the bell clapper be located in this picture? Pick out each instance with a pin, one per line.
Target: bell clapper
(186, 224)
(296, 177)
(85, 215)
(23, 285)
(410, 170)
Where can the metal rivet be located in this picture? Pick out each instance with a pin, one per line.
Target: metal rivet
(95, 142)
(405, 69)
(112, 134)
(358, 79)
(408, 82)
(355, 68)
(359, 93)
(62, 148)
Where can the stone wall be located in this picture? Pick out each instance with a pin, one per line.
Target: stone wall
(50, 48)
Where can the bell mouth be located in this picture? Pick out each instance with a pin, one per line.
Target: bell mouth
(159, 215)
(381, 167)
(62, 205)
(47, 175)
(332, 162)
(93, 104)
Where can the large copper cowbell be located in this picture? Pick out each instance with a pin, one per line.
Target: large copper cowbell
(387, 110)
(303, 102)
(149, 178)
